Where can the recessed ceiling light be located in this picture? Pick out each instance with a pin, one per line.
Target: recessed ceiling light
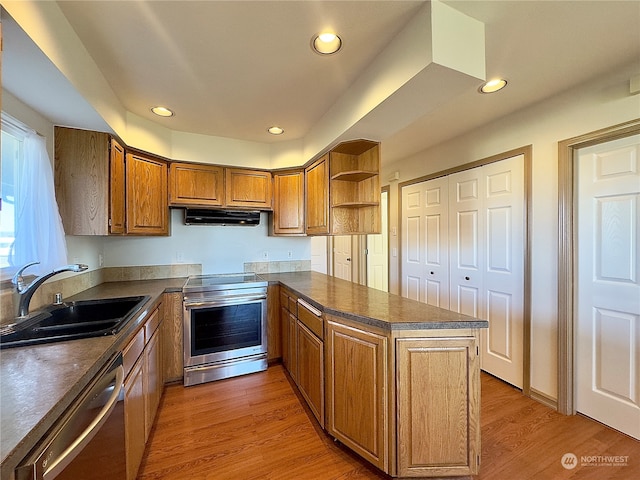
(275, 130)
(162, 111)
(493, 85)
(326, 43)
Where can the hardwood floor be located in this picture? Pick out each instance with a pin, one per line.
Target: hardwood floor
(255, 427)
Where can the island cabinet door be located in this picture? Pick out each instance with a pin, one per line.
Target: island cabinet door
(311, 370)
(356, 383)
(438, 407)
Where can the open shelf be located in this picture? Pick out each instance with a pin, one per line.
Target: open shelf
(355, 204)
(354, 175)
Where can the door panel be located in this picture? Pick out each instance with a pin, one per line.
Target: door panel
(342, 257)
(608, 290)
(503, 206)
(425, 242)
(487, 265)
(377, 251)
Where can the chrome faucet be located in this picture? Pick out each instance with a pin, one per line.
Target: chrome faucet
(25, 292)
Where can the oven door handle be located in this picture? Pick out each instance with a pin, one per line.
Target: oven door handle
(237, 300)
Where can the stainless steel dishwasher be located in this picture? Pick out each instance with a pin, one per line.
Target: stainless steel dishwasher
(88, 442)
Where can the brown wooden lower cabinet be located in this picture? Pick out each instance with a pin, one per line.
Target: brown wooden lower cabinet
(172, 333)
(311, 370)
(134, 418)
(154, 383)
(143, 386)
(356, 383)
(405, 400)
(438, 408)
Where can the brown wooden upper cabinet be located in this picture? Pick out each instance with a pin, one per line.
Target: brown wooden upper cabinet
(316, 179)
(198, 185)
(147, 197)
(288, 203)
(99, 193)
(343, 190)
(248, 188)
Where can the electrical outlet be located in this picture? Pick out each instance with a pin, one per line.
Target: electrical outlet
(180, 257)
(265, 255)
(289, 254)
(100, 260)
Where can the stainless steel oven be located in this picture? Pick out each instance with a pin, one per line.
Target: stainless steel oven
(225, 326)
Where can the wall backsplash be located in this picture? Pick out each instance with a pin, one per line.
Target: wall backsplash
(278, 267)
(77, 283)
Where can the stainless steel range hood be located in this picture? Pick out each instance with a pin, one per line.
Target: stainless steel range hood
(204, 216)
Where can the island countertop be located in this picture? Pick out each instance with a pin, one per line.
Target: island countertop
(370, 306)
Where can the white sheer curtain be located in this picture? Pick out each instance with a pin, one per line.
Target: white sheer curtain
(39, 235)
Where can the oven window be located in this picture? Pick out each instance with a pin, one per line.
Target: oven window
(218, 329)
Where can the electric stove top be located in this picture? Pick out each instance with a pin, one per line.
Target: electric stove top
(223, 281)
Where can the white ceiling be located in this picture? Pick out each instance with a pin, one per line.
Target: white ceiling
(233, 68)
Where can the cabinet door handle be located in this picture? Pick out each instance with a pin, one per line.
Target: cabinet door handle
(467, 278)
(348, 259)
(431, 273)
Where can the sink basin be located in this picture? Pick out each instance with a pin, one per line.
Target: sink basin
(73, 320)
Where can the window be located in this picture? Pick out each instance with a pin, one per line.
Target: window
(12, 153)
(30, 225)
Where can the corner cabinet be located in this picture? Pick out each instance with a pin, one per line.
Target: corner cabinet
(343, 190)
(102, 190)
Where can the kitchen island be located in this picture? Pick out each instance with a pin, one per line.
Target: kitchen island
(395, 380)
(399, 378)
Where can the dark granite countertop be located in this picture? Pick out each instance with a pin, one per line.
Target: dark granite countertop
(370, 306)
(38, 383)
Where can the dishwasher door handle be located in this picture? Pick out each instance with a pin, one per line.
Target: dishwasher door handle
(57, 465)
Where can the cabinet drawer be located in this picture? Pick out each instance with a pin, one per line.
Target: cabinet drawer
(132, 351)
(311, 318)
(151, 325)
(284, 300)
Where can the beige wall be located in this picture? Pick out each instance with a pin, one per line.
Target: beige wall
(592, 106)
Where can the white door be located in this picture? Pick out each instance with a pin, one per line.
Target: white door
(435, 234)
(487, 249)
(319, 254)
(465, 252)
(608, 288)
(412, 256)
(377, 252)
(425, 255)
(342, 257)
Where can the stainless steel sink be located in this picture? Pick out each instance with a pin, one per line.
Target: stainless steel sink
(72, 320)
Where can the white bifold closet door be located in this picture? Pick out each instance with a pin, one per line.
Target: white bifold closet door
(487, 249)
(463, 249)
(425, 252)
